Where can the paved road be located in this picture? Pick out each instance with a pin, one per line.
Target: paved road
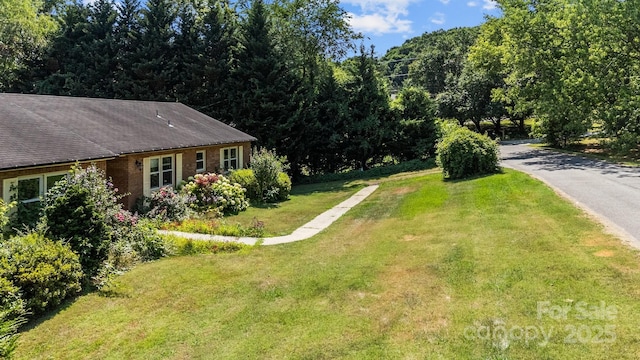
(608, 191)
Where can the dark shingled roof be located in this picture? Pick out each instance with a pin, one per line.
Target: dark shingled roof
(43, 129)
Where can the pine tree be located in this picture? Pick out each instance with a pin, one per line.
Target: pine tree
(127, 40)
(370, 123)
(261, 83)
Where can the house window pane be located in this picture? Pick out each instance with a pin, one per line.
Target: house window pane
(155, 181)
(52, 180)
(233, 153)
(234, 164)
(200, 161)
(166, 163)
(167, 178)
(29, 189)
(154, 165)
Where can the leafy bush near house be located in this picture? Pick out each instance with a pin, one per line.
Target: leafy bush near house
(211, 192)
(4, 218)
(284, 186)
(267, 167)
(247, 180)
(164, 205)
(462, 153)
(45, 271)
(81, 209)
(278, 191)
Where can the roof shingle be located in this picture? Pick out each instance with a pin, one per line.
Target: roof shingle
(44, 129)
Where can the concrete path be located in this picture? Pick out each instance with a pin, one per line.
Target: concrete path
(609, 192)
(304, 232)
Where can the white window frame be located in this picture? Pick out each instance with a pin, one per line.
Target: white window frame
(203, 168)
(11, 193)
(225, 163)
(161, 171)
(176, 164)
(40, 188)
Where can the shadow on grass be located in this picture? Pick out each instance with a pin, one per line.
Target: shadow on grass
(33, 322)
(474, 177)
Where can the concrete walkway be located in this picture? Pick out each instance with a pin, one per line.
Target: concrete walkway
(304, 232)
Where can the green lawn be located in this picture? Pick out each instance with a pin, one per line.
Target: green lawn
(305, 203)
(475, 269)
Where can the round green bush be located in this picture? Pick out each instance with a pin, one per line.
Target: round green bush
(462, 153)
(45, 271)
(284, 186)
(247, 179)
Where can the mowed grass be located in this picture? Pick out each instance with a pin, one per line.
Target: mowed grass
(477, 269)
(304, 204)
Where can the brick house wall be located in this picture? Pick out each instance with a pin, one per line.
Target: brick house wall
(127, 172)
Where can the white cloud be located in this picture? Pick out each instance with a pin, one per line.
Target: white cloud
(472, 4)
(381, 16)
(438, 18)
(444, 1)
(489, 4)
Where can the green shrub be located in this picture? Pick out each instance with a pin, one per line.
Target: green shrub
(247, 180)
(4, 218)
(45, 271)
(462, 153)
(284, 186)
(82, 209)
(267, 166)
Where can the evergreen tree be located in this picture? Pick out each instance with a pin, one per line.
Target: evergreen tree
(262, 84)
(370, 122)
(155, 69)
(127, 39)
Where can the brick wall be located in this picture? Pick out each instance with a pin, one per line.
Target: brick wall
(9, 174)
(126, 171)
(129, 177)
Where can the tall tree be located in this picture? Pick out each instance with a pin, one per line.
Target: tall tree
(24, 31)
(155, 70)
(262, 84)
(370, 122)
(127, 38)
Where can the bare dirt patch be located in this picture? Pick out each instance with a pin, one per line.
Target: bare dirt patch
(604, 253)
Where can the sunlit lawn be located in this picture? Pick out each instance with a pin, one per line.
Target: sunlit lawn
(423, 269)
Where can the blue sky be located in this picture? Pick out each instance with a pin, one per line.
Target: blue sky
(388, 23)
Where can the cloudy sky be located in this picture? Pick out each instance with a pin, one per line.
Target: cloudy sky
(388, 23)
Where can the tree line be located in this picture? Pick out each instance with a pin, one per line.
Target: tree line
(572, 66)
(271, 70)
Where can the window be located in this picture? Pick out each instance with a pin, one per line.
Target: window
(160, 172)
(51, 181)
(29, 190)
(230, 158)
(200, 161)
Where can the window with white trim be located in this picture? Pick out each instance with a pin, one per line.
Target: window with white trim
(161, 172)
(31, 189)
(230, 158)
(201, 161)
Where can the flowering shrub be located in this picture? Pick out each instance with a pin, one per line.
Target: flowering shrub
(211, 192)
(166, 205)
(82, 209)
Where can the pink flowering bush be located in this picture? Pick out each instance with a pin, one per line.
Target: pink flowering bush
(212, 192)
(165, 205)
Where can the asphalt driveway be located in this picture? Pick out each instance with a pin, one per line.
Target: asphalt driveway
(607, 191)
